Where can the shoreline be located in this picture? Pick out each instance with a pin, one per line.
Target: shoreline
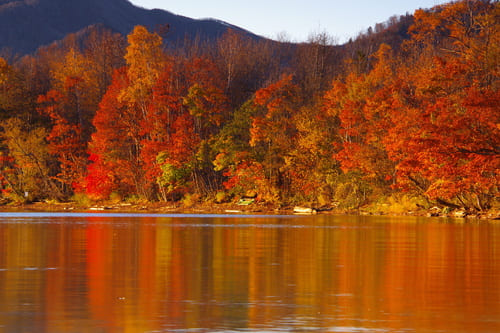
(233, 209)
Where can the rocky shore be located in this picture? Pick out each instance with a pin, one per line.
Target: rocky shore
(233, 208)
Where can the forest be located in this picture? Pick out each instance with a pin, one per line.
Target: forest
(405, 116)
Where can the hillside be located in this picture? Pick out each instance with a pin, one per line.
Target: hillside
(29, 24)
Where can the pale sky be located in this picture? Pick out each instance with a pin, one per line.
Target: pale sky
(297, 18)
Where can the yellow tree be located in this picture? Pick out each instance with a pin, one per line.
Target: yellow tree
(144, 58)
(75, 79)
(310, 160)
(24, 166)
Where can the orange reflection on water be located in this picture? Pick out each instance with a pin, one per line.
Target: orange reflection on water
(161, 274)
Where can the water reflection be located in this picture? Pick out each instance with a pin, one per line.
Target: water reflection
(125, 273)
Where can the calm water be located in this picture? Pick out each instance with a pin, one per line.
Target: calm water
(150, 273)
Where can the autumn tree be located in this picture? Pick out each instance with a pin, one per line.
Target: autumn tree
(361, 103)
(231, 50)
(145, 63)
(447, 143)
(14, 98)
(256, 149)
(115, 146)
(192, 116)
(74, 79)
(312, 169)
(36, 73)
(70, 106)
(235, 158)
(466, 30)
(278, 105)
(315, 63)
(25, 163)
(162, 128)
(208, 104)
(447, 146)
(177, 162)
(144, 59)
(65, 138)
(248, 64)
(105, 51)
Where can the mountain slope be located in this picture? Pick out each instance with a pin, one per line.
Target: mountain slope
(26, 25)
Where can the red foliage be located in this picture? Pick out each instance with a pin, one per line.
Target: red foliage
(114, 146)
(99, 181)
(65, 138)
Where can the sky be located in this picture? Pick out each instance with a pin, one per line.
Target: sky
(294, 19)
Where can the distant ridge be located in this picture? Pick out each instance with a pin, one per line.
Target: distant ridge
(25, 25)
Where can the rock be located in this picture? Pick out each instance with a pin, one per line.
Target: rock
(304, 210)
(434, 212)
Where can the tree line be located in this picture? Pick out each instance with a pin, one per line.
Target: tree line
(415, 119)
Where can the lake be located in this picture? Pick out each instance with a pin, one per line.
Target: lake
(215, 273)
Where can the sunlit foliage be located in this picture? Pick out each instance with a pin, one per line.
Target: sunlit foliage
(312, 123)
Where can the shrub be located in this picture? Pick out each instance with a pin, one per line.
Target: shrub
(190, 200)
(81, 199)
(220, 197)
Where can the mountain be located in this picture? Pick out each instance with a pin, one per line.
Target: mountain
(26, 25)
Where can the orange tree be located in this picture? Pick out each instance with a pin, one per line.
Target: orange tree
(361, 103)
(445, 136)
